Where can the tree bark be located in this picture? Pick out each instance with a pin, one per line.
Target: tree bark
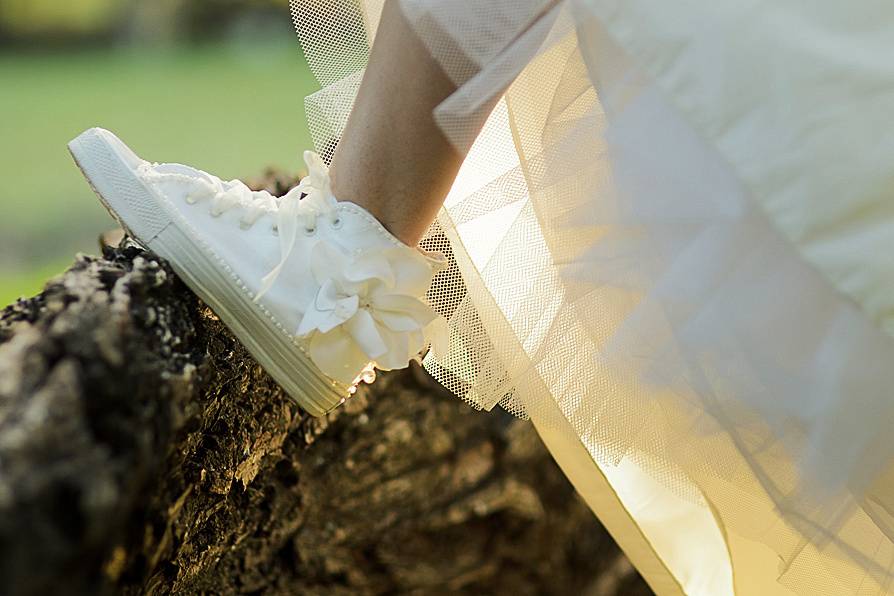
(143, 451)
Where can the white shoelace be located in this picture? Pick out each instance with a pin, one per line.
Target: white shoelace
(319, 201)
(222, 195)
(290, 210)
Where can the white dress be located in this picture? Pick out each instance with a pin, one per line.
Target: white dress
(673, 250)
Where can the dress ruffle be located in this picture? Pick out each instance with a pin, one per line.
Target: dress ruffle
(612, 277)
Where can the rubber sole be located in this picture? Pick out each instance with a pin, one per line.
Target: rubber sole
(108, 166)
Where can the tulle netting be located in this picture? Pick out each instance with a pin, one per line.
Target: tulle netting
(607, 262)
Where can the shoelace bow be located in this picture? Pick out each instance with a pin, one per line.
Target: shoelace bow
(293, 210)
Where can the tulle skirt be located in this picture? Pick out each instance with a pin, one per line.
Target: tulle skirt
(672, 248)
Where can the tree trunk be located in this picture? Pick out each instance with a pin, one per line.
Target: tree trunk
(143, 451)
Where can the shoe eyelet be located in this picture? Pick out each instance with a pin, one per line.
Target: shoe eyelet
(275, 229)
(310, 231)
(336, 223)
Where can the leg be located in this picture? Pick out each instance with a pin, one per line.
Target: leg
(393, 159)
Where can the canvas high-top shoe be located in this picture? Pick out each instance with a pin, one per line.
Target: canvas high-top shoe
(316, 289)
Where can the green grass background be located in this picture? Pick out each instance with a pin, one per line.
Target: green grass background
(229, 108)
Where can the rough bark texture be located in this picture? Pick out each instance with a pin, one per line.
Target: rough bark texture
(143, 451)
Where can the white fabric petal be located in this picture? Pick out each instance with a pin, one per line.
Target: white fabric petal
(366, 333)
(316, 320)
(327, 261)
(398, 354)
(371, 266)
(327, 296)
(412, 275)
(415, 344)
(402, 313)
(397, 321)
(345, 309)
(327, 311)
(337, 354)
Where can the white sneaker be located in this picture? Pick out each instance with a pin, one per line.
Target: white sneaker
(316, 289)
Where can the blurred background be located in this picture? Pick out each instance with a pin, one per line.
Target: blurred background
(217, 84)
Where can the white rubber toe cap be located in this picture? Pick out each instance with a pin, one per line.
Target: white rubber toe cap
(111, 168)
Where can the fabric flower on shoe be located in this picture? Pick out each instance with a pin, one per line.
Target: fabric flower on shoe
(368, 309)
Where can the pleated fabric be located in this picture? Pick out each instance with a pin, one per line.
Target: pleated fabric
(670, 249)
